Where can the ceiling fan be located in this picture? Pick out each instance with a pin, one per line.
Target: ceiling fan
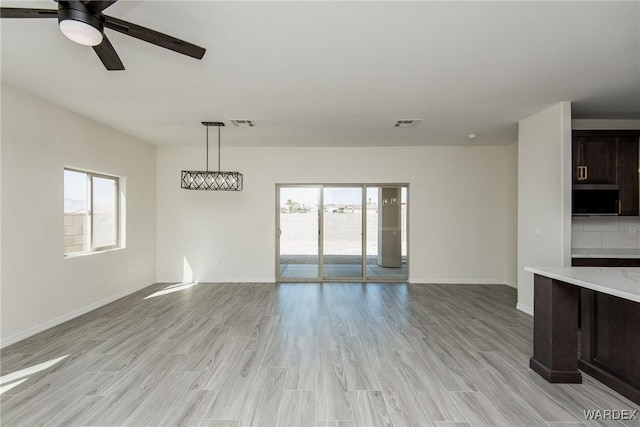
(83, 22)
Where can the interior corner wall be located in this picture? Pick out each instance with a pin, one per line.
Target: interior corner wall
(544, 195)
(1, 259)
(460, 208)
(41, 288)
(511, 208)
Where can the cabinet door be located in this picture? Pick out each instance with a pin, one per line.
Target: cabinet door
(627, 174)
(576, 157)
(599, 155)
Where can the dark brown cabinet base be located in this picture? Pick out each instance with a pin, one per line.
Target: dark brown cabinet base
(610, 336)
(605, 262)
(555, 337)
(611, 342)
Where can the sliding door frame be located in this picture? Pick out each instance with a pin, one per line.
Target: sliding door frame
(363, 234)
(321, 277)
(279, 233)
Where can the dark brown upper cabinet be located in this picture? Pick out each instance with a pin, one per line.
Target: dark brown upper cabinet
(595, 158)
(627, 174)
(609, 156)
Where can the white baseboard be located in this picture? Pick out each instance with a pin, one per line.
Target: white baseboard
(525, 309)
(240, 280)
(458, 281)
(412, 281)
(512, 284)
(71, 315)
(225, 280)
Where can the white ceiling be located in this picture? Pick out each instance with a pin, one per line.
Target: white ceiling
(339, 73)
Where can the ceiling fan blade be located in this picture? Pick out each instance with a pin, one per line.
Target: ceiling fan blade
(19, 12)
(96, 6)
(108, 55)
(154, 37)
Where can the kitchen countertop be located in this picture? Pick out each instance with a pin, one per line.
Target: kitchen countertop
(605, 253)
(622, 282)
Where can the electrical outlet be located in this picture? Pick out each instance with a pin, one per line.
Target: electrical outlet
(536, 231)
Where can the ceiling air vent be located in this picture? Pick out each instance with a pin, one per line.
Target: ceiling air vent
(243, 123)
(408, 123)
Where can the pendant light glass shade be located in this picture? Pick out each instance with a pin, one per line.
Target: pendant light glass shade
(212, 180)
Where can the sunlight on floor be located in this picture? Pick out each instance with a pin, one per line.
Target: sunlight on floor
(9, 381)
(173, 288)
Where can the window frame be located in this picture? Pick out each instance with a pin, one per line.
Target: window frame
(91, 247)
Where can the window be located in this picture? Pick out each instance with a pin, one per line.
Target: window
(91, 212)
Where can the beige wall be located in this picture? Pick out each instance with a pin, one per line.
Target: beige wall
(461, 216)
(41, 288)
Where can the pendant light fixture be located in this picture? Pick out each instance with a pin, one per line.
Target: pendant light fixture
(212, 180)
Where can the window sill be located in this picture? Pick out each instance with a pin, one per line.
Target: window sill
(83, 254)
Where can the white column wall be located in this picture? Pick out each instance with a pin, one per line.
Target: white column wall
(544, 195)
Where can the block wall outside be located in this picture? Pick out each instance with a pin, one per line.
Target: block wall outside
(342, 233)
(75, 232)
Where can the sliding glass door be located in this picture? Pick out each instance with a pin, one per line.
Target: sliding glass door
(341, 232)
(299, 232)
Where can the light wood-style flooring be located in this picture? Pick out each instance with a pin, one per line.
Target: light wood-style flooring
(336, 354)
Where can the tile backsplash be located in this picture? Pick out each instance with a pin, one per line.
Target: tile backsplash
(605, 232)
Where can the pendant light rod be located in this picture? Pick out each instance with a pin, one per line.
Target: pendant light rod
(207, 168)
(218, 125)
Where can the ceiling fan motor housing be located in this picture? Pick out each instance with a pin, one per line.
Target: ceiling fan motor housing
(83, 22)
(77, 11)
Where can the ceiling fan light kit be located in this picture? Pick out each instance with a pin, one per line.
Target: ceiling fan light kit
(78, 24)
(211, 180)
(83, 22)
(80, 32)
